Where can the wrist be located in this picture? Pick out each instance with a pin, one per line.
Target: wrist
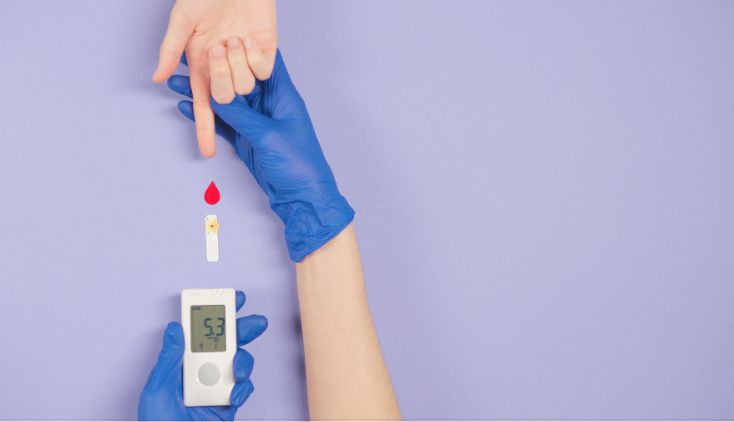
(313, 219)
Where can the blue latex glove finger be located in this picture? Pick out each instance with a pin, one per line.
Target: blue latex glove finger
(243, 364)
(275, 138)
(240, 299)
(170, 358)
(249, 328)
(180, 84)
(241, 392)
(160, 399)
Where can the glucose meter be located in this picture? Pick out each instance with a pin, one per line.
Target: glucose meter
(210, 333)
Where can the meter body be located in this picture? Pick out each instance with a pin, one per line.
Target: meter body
(208, 318)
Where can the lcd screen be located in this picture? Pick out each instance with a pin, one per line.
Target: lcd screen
(207, 329)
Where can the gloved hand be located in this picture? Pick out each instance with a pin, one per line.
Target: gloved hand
(272, 133)
(162, 396)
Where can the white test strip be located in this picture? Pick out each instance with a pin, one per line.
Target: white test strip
(211, 229)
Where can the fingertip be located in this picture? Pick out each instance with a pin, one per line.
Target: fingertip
(180, 84)
(263, 322)
(172, 83)
(207, 149)
(241, 298)
(160, 75)
(162, 71)
(241, 392)
(244, 362)
(173, 334)
(259, 65)
(223, 99)
(250, 327)
(173, 326)
(186, 108)
(166, 66)
(157, 78)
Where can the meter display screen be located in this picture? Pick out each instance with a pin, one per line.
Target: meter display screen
(207, 329)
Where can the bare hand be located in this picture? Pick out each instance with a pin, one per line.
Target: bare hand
(198, 27)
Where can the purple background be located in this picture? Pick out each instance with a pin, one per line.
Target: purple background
(545, 198)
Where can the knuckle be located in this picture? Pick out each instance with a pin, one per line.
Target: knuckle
(219, 70)
(237, 60)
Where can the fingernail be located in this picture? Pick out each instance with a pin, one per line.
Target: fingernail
(233, 42)
(248, 42)
(218, 52)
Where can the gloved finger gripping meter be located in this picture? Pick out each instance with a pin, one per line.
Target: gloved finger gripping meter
(208, 317)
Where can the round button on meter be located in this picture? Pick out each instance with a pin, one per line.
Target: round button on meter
(208, 374)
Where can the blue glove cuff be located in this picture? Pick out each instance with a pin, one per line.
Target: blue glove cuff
(310, 223)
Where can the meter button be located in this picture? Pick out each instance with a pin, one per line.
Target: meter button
(208, 374)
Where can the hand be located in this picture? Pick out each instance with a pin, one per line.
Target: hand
(272, 133)
(162, 396)
(197, 26)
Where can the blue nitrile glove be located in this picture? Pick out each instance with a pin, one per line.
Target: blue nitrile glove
(272, 133)
(162, 396)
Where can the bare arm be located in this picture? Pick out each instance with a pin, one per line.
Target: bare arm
(346, 374)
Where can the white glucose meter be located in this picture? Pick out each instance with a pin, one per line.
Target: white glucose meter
(208, 317)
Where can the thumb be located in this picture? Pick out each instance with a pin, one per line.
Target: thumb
(244, 119)
(177, 36)
(170, 359)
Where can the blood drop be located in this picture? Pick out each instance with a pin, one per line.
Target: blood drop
(211, 196)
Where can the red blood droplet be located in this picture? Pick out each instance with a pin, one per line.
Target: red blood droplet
(211, 196)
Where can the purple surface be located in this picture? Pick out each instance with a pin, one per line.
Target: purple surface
(545, 199)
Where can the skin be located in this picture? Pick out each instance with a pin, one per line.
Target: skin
(198, 27)
(234, 67)
(346, 374)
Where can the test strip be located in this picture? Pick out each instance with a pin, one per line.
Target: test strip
(211, 230)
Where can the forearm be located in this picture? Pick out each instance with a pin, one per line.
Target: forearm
(346, 374)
